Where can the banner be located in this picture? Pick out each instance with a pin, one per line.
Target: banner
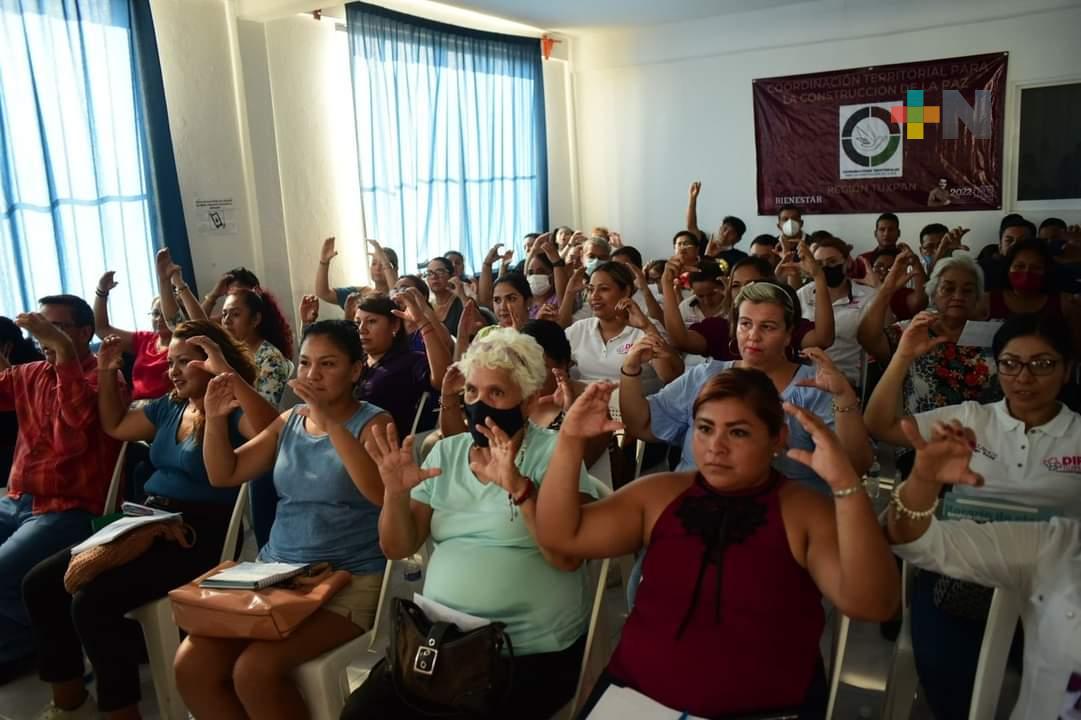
(924, 136)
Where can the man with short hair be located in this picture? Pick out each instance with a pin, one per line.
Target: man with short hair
(764, 246)
(63, 460)
(1053, 232)
(723, 244)
(790, 224)
(1012, 229)
(930, 238)
(887, 233)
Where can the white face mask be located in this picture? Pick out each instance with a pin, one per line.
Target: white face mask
(591, 265)
(791, 227)
(539, 284)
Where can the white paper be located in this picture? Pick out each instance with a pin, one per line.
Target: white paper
(114, 530)
(979, 333)
(622, 703)
(438, 612)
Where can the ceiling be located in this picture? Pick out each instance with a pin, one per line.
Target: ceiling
(570, 14)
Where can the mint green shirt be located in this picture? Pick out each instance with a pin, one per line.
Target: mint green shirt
(488, 565)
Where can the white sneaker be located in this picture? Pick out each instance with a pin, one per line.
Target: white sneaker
(87, 711)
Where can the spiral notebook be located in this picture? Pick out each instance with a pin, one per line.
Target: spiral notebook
(254, 576)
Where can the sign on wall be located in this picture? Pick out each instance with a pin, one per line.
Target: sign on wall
(904, 138)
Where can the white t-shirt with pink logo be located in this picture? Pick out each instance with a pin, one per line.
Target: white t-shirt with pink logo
(597, 360)
(1038, 467)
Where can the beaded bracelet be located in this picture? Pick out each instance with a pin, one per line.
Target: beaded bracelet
(905, 512)
(848, 491)
(838, 409)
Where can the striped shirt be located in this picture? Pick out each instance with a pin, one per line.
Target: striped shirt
(63, 458)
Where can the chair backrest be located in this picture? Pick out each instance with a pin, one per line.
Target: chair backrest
(596, 640)
(994, 651)
(240, 508)
(114, 483)
(382, 608)
(422, 405)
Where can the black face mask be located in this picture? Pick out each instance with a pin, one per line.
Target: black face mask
(509, 421)
(835, 275)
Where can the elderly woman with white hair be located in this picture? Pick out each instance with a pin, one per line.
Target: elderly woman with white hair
(475, 497)
(949, 373)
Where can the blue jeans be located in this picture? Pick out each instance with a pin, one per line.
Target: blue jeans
(947, 650)
(25, 540)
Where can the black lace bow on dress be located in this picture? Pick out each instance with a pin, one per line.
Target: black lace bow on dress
(721, 521)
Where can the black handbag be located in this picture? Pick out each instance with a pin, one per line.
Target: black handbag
(436, 664)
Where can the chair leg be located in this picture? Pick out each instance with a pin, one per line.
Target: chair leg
(162, 641)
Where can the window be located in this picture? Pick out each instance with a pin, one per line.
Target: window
(1050, 152)
(74, 197)
(450, 135)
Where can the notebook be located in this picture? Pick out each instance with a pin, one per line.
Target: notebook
(960, 507)
(119, 528)
(254, 575)
(623, 703)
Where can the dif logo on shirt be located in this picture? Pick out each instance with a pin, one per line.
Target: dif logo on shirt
(1064, 464)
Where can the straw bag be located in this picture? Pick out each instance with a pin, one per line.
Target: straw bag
(269, 614)
(87, 565)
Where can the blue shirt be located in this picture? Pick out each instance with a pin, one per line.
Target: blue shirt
(179, 471)
(670, 412)
(322, 516)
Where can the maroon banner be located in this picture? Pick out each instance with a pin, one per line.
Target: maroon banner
(923, 136)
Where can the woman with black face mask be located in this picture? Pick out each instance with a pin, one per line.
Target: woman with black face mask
(475, 497)
(848, 300)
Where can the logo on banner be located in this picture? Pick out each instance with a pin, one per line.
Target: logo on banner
(870, 143)
(954, 109)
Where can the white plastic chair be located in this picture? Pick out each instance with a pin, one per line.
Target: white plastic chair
(114, 483)
(994, 652)
(837, 659)
(163, 636)
(324, 682)
(597, 648)
(421, 407)
(903, 682)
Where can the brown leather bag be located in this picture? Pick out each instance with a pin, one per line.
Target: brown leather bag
(269, 614)
(87, 565)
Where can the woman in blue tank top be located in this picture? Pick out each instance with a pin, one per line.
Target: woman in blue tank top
(329, 494)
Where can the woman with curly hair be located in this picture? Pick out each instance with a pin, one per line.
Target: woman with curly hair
(253, 321)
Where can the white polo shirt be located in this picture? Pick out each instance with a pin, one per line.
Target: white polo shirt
(848, 310)
(597, 360)
(1040, 467)
(1040, 562)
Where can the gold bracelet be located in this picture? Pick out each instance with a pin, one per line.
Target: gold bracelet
(838, 409)
(849, 491)
(906, 512)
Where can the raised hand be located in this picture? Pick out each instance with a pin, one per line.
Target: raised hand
(470, 322)
(453, 381)
(220, 398)
(828, 378)
(548, 312)
(564, 392)
(111, 353)
(946, 458)
(635, 317)
(589, 415)
(696, 187)
(916, 340)
(48, 335)
(377, 251)
(951, 241)
(899, 275)
(577, 281)
(397, 467)
(615, 239)
(493, 254)
(327, 252)
(309, 309)
(314, 406)
(495, 463)
(215, 362)
(807, 263)
(415, 311)
(108, 282)
(647, 348)
(457, 287)
(829, 459)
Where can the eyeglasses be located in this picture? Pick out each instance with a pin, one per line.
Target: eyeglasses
(434, 273)
(1040, 367)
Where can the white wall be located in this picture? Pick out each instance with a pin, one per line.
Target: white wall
(659, 107)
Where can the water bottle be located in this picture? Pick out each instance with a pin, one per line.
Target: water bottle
(871, 482)
(413, 568)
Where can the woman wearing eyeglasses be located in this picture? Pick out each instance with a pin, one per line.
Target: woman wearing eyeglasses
(448, 304)
(1027, 451)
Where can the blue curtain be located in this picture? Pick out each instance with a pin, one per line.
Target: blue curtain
(450, 135)
(79, 185)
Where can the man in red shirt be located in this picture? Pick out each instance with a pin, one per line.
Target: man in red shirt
(63, 460)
